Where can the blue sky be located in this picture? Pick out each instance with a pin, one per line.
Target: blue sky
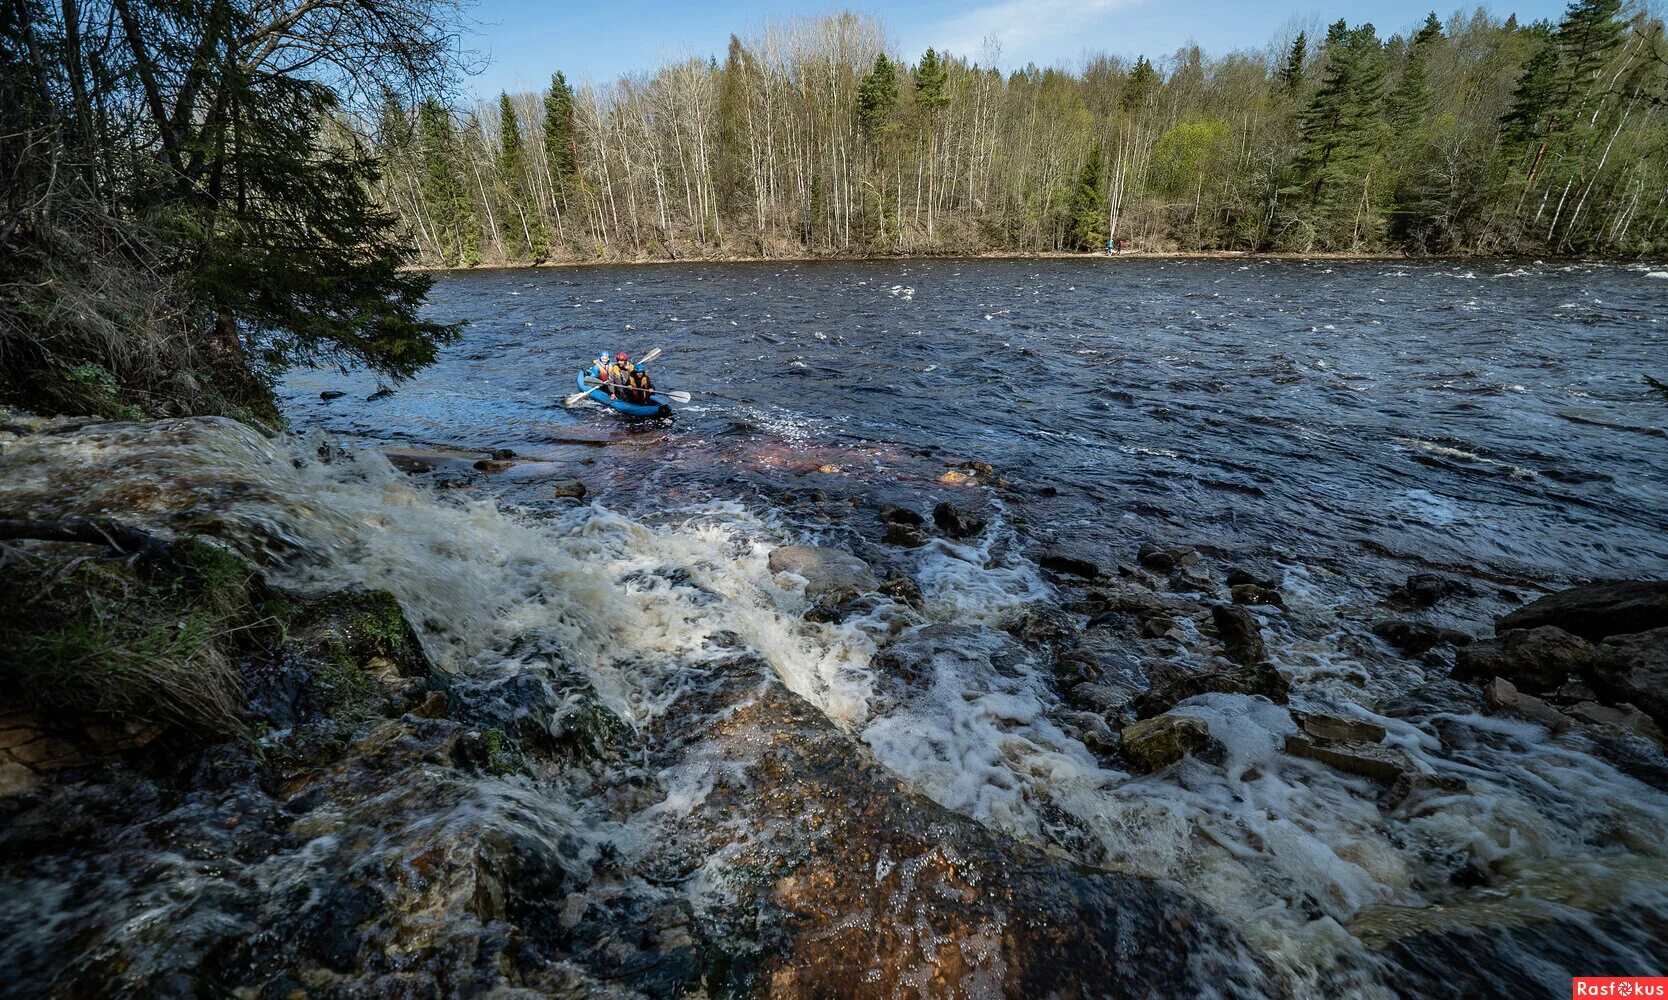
(525, 40)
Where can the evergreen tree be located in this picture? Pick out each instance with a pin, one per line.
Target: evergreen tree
(1086, 221)
(1291, 74)
(930, 79)
(1341, 133)
(512, 184)
(732, 172)
(443, 186)
(561, 145)
(1587, 37)
(1410, 102)
(1535, 101)
(512, 156)
(1141, 85)
(877, 98)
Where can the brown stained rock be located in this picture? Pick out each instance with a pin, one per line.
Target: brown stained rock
(825, 570)
(1162, 740)
(871, 887)
(1500, 695)
(955, 522)
(1597, 610)
(1171, 684)
(1069, 564)
(1537, 659)
(904, 536)
(1367, 760)
(1624, 717)
(575, 490)
(1415, 637)
(1335, 727)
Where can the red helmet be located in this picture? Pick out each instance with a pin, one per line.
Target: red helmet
(622, 356)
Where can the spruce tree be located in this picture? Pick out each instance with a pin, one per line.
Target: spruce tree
(1291, 74)
(1342, 131)
(930, 78)
(732, 171)
(561, 146)
(443, 185)
(877, 98)
(1141, 85)
(1411, 100)
(1535, 101)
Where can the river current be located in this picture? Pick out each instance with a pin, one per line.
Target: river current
(1330, 428)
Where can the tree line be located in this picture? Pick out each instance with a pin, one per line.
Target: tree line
(1475, 136)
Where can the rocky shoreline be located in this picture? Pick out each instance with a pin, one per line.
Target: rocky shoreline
(368, 824)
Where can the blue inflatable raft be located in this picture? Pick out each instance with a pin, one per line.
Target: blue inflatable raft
(656, 407)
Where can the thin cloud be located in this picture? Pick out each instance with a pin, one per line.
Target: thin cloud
(1028, 30)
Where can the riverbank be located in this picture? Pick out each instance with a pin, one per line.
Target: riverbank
(1127, 255)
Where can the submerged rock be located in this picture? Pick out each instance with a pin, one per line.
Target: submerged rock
(1172, 684)
(904, 536)
(890, 514)
(1367, 760)
(1426, 589)
(493, 465)
(1336, 727)
(329, 394)
(1163, 560)
(1416, 638)
(1536, 659)
(1501, 695)
(575, 490)
(824, 570)
(1253, 593)
(1162, 740)
(1069, 564)
(1597, 610)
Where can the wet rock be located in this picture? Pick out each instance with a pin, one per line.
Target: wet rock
(382, 393)
(1367, 760)
(575, 490)
(1239, 577)
(1412, 789)
(1069, 564)
(902, 588)
(1336, 727)
(502, 454)
(1160, 741)
(1634, 668)
(1075, 666)
(1623, 717)
(1255, 593)
(1172, 684)
(433, 706)
(330, 394)
(955, 522)
(1426, 589)
(1501, 695)
(1536, 659)
(1163, 560)
(825, 570)
(1107, 699)
(1041, 625)
(1416, 638)
(1092, 730)
(414, 464)
(1597, 610)
(890, 514)
(493, 465)
(1241, 636)
(1160, 627)
(904, 536)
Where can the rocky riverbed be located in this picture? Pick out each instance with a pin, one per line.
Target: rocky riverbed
(484, 735)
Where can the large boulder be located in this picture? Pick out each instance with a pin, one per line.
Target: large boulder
(1597, 610)
(1534, 659)
(1415, 638)
(825, 570)
(1634, 669)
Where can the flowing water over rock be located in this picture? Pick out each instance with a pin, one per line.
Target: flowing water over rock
(791, 775)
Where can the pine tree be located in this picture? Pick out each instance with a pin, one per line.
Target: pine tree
(877, 98)
(512, 156)
(732, 172)
(1410, 102)
(1291, 74)
(1587, 37)
(1086, 224)
(1535, 100)
(512, 184)
(1342, 130)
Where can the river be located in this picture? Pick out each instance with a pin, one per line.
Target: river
(1326, 428)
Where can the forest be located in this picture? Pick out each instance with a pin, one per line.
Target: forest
(1477, 135)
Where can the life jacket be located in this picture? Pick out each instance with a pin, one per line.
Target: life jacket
(620, 373)
(639, 386)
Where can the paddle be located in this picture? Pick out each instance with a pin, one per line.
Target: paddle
(574, 399)
(675, 395)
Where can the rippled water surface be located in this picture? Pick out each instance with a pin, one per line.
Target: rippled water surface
(1472, 414)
